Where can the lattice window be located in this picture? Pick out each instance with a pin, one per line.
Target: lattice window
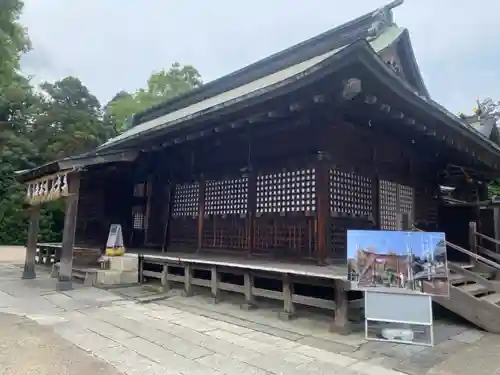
(140, 190)
(405, 200)
(288, 191)
(395, 199)
(350, 193)
(186, 200)
(226, 197)
(388, 205)
(138, 219)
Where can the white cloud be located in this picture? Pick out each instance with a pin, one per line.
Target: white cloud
(113, 45)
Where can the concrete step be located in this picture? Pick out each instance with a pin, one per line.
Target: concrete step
(474, 289)
(456, 278)
(492, 298)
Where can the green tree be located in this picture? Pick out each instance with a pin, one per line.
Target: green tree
(161, 86)
(69, 120)
(15, 103)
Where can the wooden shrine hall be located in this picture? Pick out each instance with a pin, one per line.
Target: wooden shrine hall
(275, 162)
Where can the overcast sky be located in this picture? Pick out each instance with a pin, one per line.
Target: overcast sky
(114, 45)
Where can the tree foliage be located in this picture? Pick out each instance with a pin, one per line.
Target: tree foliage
(161, 86)
(56, 120)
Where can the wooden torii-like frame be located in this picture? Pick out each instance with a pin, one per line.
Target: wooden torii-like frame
(63, 185)
(61, 180)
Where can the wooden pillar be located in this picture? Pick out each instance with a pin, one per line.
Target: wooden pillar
(214, 284)
(496, 226)
(188, 280)
(140, 273)
(376, 201)
(288, 306)
(341, 322)
(252, 210)
(323, 244)
(168, 214)
(34, 227)
(201, 214)
(473, 239)
(248, 291)
(66, 262)
(165, 282)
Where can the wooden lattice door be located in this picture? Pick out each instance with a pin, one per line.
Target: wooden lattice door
(183, 228)
(285, 208)
(139, 214)
(225, 214)
(395, 199)
(351, 207)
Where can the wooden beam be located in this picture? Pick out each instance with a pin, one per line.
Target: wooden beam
(34, 227)
(64, 281)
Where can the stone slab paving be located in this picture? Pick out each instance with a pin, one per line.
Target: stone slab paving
(182, 335)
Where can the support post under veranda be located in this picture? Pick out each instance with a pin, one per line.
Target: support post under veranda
(34, 227)
(64, 281)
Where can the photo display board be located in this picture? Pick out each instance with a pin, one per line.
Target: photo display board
(408, 262)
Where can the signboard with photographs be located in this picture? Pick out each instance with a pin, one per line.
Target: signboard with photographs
(411, 262)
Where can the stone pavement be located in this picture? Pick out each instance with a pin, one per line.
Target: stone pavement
(192, 336)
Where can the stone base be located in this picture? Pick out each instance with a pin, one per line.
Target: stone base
(345, 329)
(112, 277)
(248, 306)
(123, 263)
(64, 285)
(215, 300)
(283, 315)
(29, 272)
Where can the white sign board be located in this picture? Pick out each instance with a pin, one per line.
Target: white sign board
(396, 316)
(115, 237)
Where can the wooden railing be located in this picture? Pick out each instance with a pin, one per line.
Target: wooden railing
(476, 242)
(472, 254)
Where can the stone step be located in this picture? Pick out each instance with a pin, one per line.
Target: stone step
(492, 298)
(456, 278)
(474, 289)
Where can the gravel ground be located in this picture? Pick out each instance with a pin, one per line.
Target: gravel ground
(27, 348)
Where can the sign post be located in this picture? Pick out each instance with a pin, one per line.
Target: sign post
(114, 245)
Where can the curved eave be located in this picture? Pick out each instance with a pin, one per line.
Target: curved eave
(266, 88)
(360, 52)
(413, 65)
(404, 90)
